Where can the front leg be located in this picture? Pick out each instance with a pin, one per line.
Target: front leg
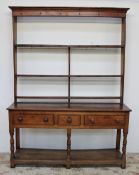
(17, 138)
(12, 148)
(68, 147)
(118, 138)
(124, 149)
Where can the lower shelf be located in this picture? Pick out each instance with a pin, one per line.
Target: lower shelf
(59, 157)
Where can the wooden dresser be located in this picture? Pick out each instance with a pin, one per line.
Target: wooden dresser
(68, 115)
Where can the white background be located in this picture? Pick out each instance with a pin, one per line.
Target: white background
(77, 33)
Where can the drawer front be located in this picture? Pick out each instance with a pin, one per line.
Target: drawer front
(104, 120)
(34, 119)
(69, 120)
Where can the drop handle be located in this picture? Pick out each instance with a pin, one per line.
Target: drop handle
(69, 120)
(20, 119)
(92, 120)
(45, 119)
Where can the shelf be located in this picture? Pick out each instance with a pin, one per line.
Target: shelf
(69, 11)
(59, 157)
(101, 76)
(97, 76)
(66, 97)
(42, 97)
(31, 75)
(86, 12)
(66, 46)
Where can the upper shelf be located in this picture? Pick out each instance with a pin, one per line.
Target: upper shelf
(69, 11)
(66, 46)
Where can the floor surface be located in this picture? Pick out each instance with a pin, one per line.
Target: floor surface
(132, 168)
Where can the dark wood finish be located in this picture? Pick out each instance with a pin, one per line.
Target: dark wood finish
(68, 76)
(66, 46)
(68, 115)
(70, 11)
(17, 138)
(12, 148)
(104, 120)
(91, 76)
(27, 119)
(36, 76)
(68, 148)
(15, 56)
(76, 117)
(11, 132)
(42, 97)
(118, 139)
(68, 97)
(125, 132)
(101, 120)
(69, 120)
(76, 12)
(59, 157)
(124, 150)
(96, 107)
(123, 41)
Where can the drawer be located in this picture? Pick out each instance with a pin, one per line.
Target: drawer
(34, 119)
(69, 120)
(104, 120)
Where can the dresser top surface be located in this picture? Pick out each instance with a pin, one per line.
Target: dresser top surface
(73, 107)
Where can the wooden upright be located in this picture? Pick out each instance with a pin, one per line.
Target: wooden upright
(68, 115)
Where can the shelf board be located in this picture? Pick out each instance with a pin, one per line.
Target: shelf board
(97, 76)
(32, 75)
(65, 46)
(42, 97)
(95, 97)
(59, 157)
(66, 97)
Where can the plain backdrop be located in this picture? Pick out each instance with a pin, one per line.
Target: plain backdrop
(103, 61)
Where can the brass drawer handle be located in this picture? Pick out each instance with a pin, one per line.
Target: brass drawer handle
(92, 120)
(45, 119)
(20, 119)
(69, 120)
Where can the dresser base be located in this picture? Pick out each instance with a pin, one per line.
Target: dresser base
(93, 116)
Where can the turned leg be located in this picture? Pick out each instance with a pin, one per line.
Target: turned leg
(12, 148)
(68, 147)
(17, 138)
(118, 139)
(124, 149)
